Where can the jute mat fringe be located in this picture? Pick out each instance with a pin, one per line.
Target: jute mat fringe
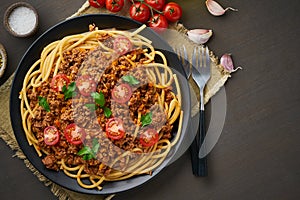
(218, 78)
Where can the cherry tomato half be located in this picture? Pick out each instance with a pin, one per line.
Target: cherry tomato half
(121, 93)
(149, 137)
(122, 45)
(158, 23)
(86, 85)
(156, 4)
(115, 128)
(51, 135)
(59, 81)
(172, 11)
(114, 5)
(97, 3)
(74, 134)
(139, 12)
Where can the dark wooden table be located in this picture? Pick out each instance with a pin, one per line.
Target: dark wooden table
(257, 155)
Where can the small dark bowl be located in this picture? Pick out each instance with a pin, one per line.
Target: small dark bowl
(3, 60)
(9, 11)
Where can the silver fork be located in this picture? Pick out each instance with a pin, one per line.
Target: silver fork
(201, 75)
(183, 57)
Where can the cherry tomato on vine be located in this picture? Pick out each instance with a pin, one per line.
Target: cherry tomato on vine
(115, 128)
(156, 4)
(121, 93)
(51, 135)
(172, 11)
(74, 134)
(101, 2)
(97, 3)
(158, 22)
(139, 12)
(59, 81)
(149, 137)
(114, 5)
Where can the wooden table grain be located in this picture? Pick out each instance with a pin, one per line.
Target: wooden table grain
(257, 155)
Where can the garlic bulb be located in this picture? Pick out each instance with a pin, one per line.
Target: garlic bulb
(227, 62)
(199, 36)
(216, 9)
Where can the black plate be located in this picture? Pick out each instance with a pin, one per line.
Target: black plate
(78, 25)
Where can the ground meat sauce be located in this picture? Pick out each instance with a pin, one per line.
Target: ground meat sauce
(64, 112)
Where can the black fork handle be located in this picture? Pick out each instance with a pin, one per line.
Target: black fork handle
(199, 165)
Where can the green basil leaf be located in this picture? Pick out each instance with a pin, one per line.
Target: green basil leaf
(72, 86)
(96, 146)
(99, 98)
(43, 102)
(85, 150)
(64, 89)
(87, 157)
(130, 79)
(69, 91)
(88, 153)
(91, 106)
(146, 119)
(107, 112)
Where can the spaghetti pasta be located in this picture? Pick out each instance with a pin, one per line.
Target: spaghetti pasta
(79, 88)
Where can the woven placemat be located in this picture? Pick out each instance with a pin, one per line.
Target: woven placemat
(218, 78)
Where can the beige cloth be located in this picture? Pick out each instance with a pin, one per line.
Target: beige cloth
(218, 78)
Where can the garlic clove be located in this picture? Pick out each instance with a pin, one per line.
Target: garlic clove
(199, 36)
(227, 62)
(216, 9)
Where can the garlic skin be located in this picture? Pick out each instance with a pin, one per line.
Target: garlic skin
(227, 63)
(216, 9)
(199, 36)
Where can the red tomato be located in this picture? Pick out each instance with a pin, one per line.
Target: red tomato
(158, 22)
(101, 2)
(139, 12)
(115, 128)
(149, 137)
(59, 81)
(114, 5)
(172, 11)
(97, 3)
(121, 93)
(156, 4)
(51, 135)
(86, 85)
(74, 134)
(122, 45)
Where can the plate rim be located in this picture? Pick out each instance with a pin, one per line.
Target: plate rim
(26, 146)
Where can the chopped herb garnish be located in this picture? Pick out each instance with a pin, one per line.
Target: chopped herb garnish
(69, 91)
(99, 98)
(87, 152)
(96, 146)
(146, 119)
(130, 79)
(107, 112)
(43, 102)
(91, 106)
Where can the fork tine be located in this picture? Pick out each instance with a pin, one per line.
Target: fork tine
(194, 58)
(187, 63)
(182, 55)
(207, 58)
(200, 58)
